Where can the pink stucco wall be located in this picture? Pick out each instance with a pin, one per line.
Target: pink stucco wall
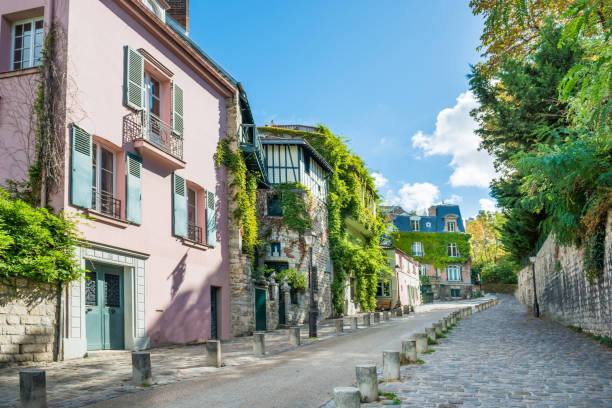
(178, 277)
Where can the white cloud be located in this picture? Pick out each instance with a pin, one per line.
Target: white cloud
(487, 204)
(379, 180)
(454, 135)
(418, 196)
(454, 199)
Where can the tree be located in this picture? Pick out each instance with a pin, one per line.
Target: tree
(485, 237)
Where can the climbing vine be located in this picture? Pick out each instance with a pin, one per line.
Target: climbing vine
(296, 215)
(351, 195)
(296, 279)
(435, 247)
(246, 193)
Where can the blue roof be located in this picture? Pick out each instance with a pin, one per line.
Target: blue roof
(430, 223)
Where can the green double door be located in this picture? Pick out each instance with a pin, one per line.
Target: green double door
(260, 310)
(104, 307)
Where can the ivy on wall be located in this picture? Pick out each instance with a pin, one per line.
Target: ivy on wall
(296, 209)
(349, 184)
(435, 246)
(245, 196)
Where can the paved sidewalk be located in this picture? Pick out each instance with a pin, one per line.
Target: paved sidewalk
(107, 374)
(503, 357)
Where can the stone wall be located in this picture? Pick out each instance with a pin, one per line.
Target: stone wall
(28, 322)
(295, 255)
(563, 291)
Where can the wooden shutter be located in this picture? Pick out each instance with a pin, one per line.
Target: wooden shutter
(211, 219)
(179, 205)
(133, 187)
(177, 109)
(133, 73)
(81, 168)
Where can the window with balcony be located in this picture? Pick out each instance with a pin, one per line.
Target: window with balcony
(417, 249)
(453, 273)
(103, 182)
(452, 250)
(27, 43)
(415, 225)
(194, 232)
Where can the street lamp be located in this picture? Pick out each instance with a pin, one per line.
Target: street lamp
(309, 237)
(536, 307)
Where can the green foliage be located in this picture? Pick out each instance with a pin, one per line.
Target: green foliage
(351, 195)
(476, 294)
(36, 244)
(431, 342)
(424, 280)
(245, 184)
(295, 278)
(502, 271)
(435, 246)
(296, 215)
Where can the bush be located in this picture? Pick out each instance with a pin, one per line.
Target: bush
(476, 294)
(502, 271)
(36, 244)
(295, 278)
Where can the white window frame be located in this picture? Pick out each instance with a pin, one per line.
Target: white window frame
(416, 223)
(456, 273)
(33, 20)
(98, 154)
(419, 249)
(452, 223)
(452, 250)
(147, 95)
(423, 270)
(195, 207)
(385, 285)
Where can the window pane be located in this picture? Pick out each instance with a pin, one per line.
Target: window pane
(39, 25)
(27, 27)
(19, 29)
(191, 207)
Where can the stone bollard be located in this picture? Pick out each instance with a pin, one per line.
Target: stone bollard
(346, 397)
(438, 328)
(431, 333)
(409, 353)
(141, 367)
(367, 381)
(421, 342)
(33, 388)
(443, 324)
(214, 356)
(386, 315)
(294, 335)
(259, 343)
(447, 321)
(339, 325)
(376, 317)
(354, 323)
(366, 320)
(398, 312)
(391, 365)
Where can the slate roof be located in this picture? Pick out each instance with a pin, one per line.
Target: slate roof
(436, 223)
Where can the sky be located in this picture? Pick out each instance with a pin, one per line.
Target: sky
(389, 75)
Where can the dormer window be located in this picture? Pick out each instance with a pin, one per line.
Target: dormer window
(415, 225)
(451, 226)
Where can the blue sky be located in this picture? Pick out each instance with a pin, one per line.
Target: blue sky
(389, 75)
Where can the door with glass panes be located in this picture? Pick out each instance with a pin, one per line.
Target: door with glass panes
(104, 307)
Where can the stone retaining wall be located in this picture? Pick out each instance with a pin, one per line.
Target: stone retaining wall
(28, 322)
(563, 291)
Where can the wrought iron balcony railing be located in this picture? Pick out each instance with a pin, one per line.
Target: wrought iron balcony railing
(194, 233)
(106, 204)
(144, 125)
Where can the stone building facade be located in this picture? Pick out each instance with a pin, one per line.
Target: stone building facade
(28, 322)
(563, 291)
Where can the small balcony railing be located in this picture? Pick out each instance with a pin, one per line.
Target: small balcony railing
(194, 233)
(106, 204)
(144, 125)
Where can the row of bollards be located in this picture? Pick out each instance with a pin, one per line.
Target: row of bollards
(366, 374)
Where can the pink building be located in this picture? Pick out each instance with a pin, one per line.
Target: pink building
(139, 111)
(403, 287)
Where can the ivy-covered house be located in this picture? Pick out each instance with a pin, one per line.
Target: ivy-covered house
(403, 287)
(439, 243)
(293, 201)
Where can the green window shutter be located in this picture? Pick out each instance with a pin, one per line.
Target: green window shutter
(133, 185)
(211, 219)
(179, 205)
(133, 73)
(81, 170)
(177, 109)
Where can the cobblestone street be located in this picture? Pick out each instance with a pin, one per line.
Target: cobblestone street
(503, 357)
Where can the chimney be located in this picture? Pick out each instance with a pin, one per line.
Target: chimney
(432, 211)
(179, 11)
